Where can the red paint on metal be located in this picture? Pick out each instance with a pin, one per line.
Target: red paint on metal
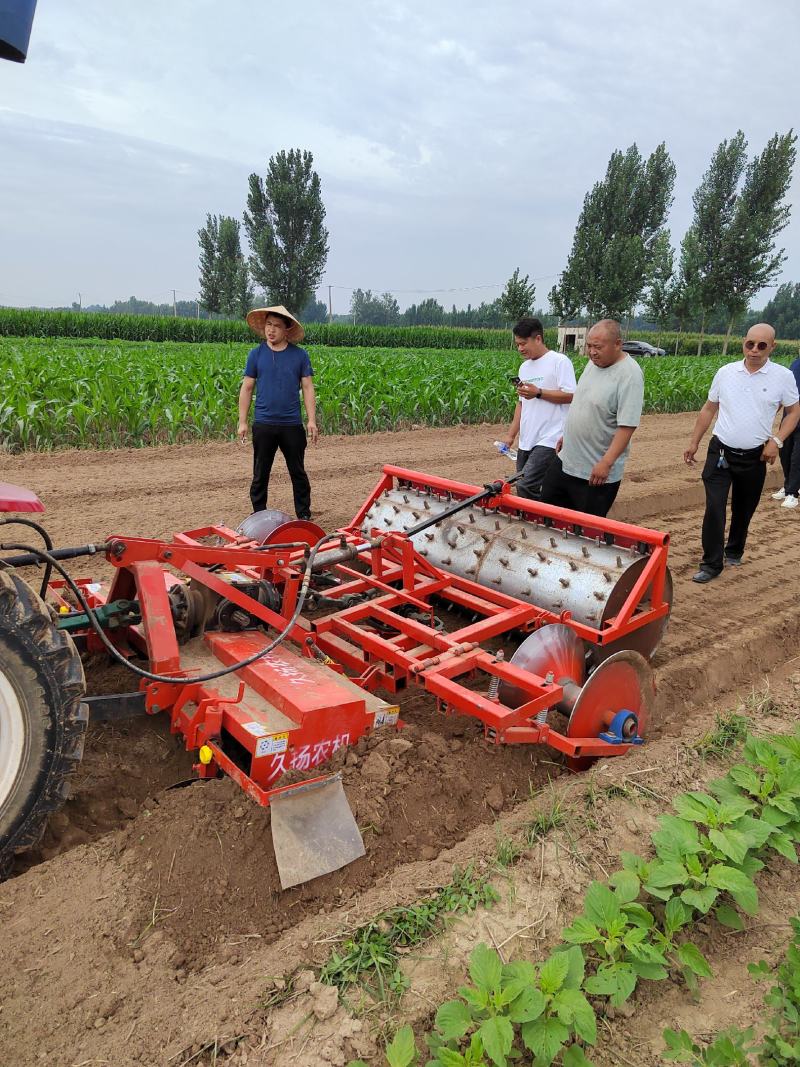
(375, 639)
(16, 498)
(157, 624)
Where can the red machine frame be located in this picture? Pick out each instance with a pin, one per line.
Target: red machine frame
(324, 712)
(324, 715)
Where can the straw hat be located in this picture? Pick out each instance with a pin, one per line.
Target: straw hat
(258, 316)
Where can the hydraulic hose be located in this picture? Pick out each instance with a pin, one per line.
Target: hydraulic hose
(45, 536)
(149, 675)
(489, 489)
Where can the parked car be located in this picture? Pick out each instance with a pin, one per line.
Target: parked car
(641, 348)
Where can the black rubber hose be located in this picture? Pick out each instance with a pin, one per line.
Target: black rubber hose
(45, 536)
(194, 679)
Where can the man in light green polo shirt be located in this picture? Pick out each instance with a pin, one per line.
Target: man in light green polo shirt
(605, 411)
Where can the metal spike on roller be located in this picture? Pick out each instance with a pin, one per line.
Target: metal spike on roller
(569, 573)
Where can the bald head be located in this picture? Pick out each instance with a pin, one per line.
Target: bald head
(762, 331)
(604, 343)
(759, 345)
(610, 327)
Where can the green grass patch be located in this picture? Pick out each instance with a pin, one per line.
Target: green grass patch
(545, 821)
(728, 734)
(369, 957)
(508, 851)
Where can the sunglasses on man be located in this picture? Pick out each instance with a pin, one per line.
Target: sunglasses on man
(762, 346)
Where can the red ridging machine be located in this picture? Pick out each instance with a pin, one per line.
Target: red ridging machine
(274, 646)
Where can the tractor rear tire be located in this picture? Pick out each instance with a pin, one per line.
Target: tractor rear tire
(42, 717)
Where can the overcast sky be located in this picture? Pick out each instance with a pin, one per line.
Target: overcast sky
(454, 141)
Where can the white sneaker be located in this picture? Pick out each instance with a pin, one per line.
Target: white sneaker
(780, 494)
(790, 502)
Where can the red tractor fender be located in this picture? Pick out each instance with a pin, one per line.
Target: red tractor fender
(15, 498)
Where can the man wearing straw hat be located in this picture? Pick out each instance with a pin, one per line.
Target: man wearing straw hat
(277, 370)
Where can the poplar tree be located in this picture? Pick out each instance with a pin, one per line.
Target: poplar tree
(208, 237)
(236, 292)
(610, 264)
(739, 210)
(224, 279)
(684, 294)
(714, 202)
(658, 306)
(517, 298)
(284, 222)
(762, 212)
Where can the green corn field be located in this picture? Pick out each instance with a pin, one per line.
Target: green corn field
(70, 324)
(63, 393)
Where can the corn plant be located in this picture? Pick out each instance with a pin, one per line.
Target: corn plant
(17, 322)
(111, 394)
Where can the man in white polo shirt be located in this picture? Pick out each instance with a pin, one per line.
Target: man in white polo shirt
(546, 385)
(744, 396)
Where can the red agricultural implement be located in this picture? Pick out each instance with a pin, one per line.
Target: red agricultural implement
(268, 646)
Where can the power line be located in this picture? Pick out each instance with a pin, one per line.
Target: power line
(455, 289)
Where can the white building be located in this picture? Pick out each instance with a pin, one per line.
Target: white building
(572, 339)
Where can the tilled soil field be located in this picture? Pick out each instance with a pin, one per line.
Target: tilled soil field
(150, 922)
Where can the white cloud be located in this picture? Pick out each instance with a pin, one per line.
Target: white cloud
(454, 142)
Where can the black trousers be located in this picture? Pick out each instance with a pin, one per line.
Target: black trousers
(566, 491)
(790, 461)
(726, 470)
(533, 462)
(291, 440)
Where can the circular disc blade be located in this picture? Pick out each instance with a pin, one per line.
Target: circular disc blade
(554, 648)
(647, 638)
(272, 527)
(624, 681)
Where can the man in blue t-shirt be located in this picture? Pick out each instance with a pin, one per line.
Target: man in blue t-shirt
(277, 370)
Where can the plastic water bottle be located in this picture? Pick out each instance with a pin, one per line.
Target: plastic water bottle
(504, 450)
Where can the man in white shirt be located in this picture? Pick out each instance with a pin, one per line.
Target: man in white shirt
(546, 385)
(744, 396)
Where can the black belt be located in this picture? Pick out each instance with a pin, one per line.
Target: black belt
(739, 453)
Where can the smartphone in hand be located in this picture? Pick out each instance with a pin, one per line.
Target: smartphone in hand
(514, 379)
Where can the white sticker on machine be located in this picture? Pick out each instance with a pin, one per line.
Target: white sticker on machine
(257, 729)
(387, 718)
(272, 745)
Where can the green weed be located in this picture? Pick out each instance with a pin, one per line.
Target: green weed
(544, 822)
(370, 957)
(780, 1045)
(508, 851)
(728, 734)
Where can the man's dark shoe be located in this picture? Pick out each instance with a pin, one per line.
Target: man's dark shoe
(733, 561)
(306, 517)
(704, 576)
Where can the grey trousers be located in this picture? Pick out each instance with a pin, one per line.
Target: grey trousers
(533, 463)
